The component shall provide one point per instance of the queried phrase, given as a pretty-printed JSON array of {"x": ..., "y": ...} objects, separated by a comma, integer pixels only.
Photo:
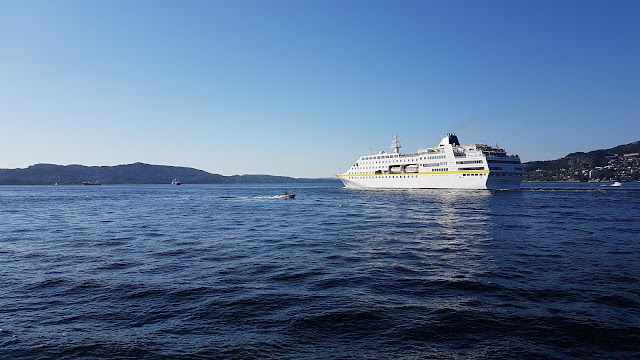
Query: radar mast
[{"x": 395, "y": 144}]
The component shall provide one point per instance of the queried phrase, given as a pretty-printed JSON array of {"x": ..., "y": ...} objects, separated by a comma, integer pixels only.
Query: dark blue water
[{"x": 207, "y": 271}]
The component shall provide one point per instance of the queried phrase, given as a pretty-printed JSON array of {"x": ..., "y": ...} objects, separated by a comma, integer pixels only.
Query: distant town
[{"x": 621, "y": 163}]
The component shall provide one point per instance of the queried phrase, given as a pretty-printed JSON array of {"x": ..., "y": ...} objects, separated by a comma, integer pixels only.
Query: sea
[{"x": 551, "y": 271}]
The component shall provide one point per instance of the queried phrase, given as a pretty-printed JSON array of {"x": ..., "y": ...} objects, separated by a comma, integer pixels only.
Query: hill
[
  {"x": 619, "y": 163},
  {"x": 138, "y": 173}
]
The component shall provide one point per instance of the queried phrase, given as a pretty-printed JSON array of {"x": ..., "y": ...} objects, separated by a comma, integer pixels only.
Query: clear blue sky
[{"x": 302, "y": 88}]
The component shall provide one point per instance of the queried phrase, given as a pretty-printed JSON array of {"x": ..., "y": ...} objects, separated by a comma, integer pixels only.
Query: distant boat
[
  {"x": 91, "y": 183},
  {"x": 617, "y": 183},
  {"x": 175, "y": 182},
  {"x": 287, "y": 195}
]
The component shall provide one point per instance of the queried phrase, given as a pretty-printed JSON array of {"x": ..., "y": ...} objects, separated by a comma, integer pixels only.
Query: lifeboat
[{"x": 411, "y": 168}]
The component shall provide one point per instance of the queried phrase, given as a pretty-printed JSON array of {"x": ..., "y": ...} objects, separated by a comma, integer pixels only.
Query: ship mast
[{"x": 395, "y": 144}]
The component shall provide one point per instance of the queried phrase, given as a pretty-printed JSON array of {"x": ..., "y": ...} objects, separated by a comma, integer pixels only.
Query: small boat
[
  {"x": 617, "y": 183},
  {"x": 91, "y": 183},
  {"x": 287, "y": 195},
  {"x": 175, "y": 182}
]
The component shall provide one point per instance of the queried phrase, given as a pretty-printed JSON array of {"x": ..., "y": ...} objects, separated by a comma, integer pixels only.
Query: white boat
[
  {"x": 448, "y": 165},
  {"x": 617, "y": 183},
  {"x": 175, "y": 182},
  {"x": 287, "y": 195},
  {"x": 413, "y": 168}
]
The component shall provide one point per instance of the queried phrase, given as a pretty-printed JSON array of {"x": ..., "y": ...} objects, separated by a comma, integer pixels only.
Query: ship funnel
[{"x": 450, "y": 139}]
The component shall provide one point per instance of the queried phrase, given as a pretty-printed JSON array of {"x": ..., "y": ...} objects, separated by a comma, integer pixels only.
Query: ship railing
[
  {"x": 422, "y": 154},
  {"x": 494, "y": 154},
  {"x": 499, "y": 154}
]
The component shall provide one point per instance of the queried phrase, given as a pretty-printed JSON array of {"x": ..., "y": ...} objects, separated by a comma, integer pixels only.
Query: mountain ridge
[
  {"x": 621, "y": 162},
  {"x": 136, "y": 173}
]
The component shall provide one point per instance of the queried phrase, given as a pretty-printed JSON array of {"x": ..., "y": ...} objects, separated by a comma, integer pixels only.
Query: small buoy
[{"x": 340, "y": 204}]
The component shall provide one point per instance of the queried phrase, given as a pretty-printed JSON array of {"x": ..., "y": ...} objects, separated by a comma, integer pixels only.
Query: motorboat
[{"x": 287, "y": 195}]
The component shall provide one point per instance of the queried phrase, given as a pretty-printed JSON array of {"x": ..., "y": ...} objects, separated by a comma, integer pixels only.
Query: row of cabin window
[
  {"x": 504, "y": 161},
  {"x": 492, "y": 174},
  {"x": 433, "y": 157},
  {"x": 385, "y": 176},
  {"x": 415, "y": 176},
  {"x": 447, "y": 169},
  {"x": 428, "y": 165},
  {"x": 472, "y": 168},
  {"x": 469, "y": 162},
  {"x": 518, "y": 168},
  {"x": 423, "y": 165},
  {"x": 379, "y": 157}
]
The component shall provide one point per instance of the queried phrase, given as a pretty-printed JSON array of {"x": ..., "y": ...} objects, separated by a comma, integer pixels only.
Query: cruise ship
[{"x": 448, "y": 165}]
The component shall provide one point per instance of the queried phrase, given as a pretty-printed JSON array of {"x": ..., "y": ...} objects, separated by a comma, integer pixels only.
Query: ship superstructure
[{"x": 448, "y": 165}]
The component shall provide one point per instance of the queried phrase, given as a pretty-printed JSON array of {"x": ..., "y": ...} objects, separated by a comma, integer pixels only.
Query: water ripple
[{"x": 230, "y": 272}]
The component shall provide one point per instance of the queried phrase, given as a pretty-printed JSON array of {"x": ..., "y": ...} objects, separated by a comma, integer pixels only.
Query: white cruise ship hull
[
  {"x": 446, "y": 166},
  {"x": 432, "y": 181}
]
